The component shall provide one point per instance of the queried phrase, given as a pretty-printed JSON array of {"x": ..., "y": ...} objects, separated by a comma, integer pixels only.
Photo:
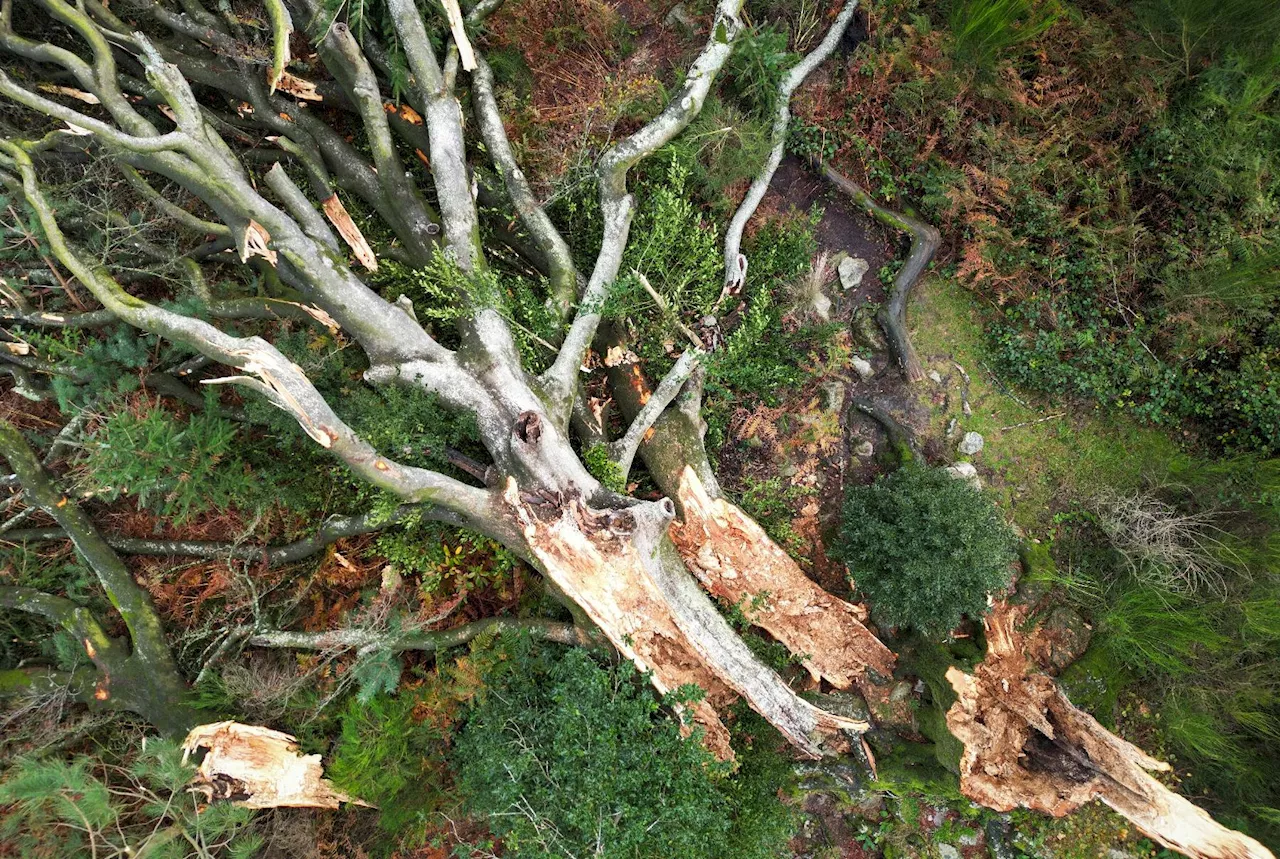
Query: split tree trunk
[{"x": 1026, "y": 745}]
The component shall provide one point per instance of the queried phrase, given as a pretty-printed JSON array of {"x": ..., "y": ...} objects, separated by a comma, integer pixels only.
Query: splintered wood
[
  {"x": 632, "y": 585},
  {"x": 1026, "y": 745},
  {"x": 257, "y": 767},
  {"x": 338, "y": 216},
  {"x": 737, "y": 562}
]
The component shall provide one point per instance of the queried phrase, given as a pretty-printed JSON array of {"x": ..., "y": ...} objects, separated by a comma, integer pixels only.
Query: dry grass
[{"x": 1163, "y": 546}]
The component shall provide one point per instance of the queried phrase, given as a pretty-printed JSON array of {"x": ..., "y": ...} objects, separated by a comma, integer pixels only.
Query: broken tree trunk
[
  {"x": 619, "y": 567},
  {"x": 737, "y": 562},
  {"x": 1026, "y": 745}
]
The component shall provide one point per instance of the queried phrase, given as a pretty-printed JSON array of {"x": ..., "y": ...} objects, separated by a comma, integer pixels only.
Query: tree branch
[
  {"x": 563, "y": 273},
  {"x": 369, "y": 640},
  {"x": 559, "y": 382},
  {"x": 75, "y": 619},
  {"x": 274, "y": 376},
  {"x": 735, "y": 263},
  {"x": 131, "y": 601},
  {"x": 335, "y": 528},
  {"x": 925, "y": 240},
  {"x": 623, "y": 451}
]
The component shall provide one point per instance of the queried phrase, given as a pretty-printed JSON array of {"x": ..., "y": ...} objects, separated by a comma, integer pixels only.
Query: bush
[
  {"x": 564, "y": 757},
  {"x": 924, "y": 548}
]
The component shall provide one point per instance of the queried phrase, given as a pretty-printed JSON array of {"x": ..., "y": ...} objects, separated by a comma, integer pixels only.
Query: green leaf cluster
[{"x": 924, "y": 548}]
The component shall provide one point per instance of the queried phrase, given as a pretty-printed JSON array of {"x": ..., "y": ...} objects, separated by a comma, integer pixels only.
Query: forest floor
[{"x": 1039, "y": 459}]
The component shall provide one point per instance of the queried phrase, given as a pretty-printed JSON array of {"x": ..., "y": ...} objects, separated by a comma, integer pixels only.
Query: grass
[{"x": 1041, "y": 452}]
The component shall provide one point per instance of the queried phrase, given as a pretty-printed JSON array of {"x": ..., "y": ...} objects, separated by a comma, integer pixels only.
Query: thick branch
[
  {"x": 76, "y": 619},
  {"x": 735, "y": 264},
  {"x": 925, "y": 240},
  {"x": 560, "y": 382},
  {"x": 335, "y": 528},
  {"x": 369, "y": 640},
  {"x": 131, "y": 601}
]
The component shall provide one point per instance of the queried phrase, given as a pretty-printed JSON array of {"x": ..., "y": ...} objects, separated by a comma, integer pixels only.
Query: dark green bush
[
  {"x": 565, "y": 757},
  {"x": 924, "y": 548}
]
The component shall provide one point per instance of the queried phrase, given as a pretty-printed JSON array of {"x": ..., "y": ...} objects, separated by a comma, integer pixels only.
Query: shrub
[
  {"x": 924, "y": 548},
  {"x": 565, "y": 757},
  {"x": 177, "y": 468}
]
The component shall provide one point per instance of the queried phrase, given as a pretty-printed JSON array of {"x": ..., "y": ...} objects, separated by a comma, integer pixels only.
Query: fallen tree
[{"x": 190, "y": 98}]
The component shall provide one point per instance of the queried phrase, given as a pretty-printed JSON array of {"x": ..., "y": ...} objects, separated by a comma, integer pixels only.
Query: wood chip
[
  {"x": 337, "y": 215},
  {"x": 256, "y": 767}
]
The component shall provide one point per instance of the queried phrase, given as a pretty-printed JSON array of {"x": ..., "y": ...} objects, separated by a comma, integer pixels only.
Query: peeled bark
[
  {"x": 737, "y": 562},
  {"x": 619, "y": 568},
  {"x": 1026, "y": 745}
]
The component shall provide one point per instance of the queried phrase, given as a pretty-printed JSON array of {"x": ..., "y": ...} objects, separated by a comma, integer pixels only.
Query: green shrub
[
  {"x": 176, "y": 467},
  {"x": 565, "y": 757},
  {"x": 924, "y": 548}
]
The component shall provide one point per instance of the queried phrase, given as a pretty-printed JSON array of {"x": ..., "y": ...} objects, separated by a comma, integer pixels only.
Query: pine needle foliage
[
  {"x": 566, "y": 757},
  {"x": 988, "y": 30},
  {"x": 924, "y": 548},
  {"x": 177, "y": 468},
  {"x": 55, "y": 807}
]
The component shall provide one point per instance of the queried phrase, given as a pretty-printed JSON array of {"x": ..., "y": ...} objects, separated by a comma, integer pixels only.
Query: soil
[{"x": 831, "y": 464}]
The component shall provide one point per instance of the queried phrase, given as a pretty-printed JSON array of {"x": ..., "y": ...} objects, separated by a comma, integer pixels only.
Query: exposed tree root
[
  {"x": 737, "y": 562},
  {"x": 924, "y": 244},
  {"x": 1026, "y": 745}
]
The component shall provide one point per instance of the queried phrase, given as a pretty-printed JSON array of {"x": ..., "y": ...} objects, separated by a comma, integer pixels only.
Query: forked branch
[
  {"x": 560, "y": 382},
  {"x": 735, "y": 263}
]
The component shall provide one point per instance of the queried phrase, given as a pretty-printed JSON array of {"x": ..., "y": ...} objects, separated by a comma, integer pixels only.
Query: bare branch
[
  {"x": 300, "y": 207},
  {"x": 369, "y": 640},
  {"x": 335, "y": 528},
  {"x": 560, "y": 380},
  {"x": 128, "y": 598},
  {"x": 76, "y": 619},
  {"x": 564, "y": 274},
  {"x": 735, "y": 264},
  {"x": 623, "y": 451}
]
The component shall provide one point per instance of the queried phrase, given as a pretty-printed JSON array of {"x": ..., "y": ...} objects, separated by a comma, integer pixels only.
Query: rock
[
  {"x": 948, "y": 851},
  {"x": 1068, "y": 638},
  {"x": 851, "y": 271},
  {"x": 866, "y": 330},
  {"x": 952, "y": 425},
  {"x": 863, "y": 368},
  {"x": 965, "y": 471},
  {"x": 680, "y": 15},
  {"x": 835, "y": 394},
  {"x": 864, "y": 449},
  {"x": 935, "y": 376},
  {"x": 971, "y": 443}
]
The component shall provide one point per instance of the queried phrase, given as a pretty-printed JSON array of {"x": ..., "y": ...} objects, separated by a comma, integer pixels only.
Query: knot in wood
[{"x": 528, "y": 427}]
